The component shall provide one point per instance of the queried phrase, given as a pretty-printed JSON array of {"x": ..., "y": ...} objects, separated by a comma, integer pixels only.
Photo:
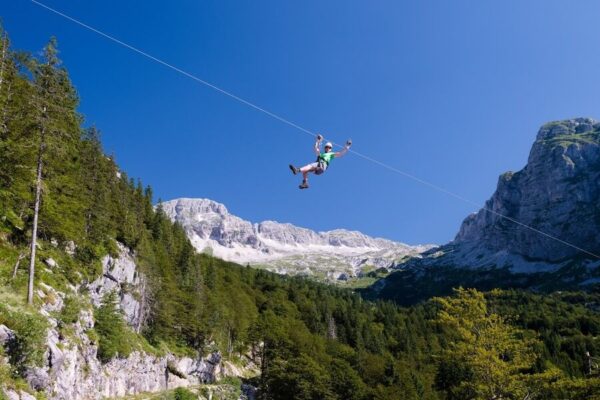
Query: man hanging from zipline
[{"x": 323, "y": 160}]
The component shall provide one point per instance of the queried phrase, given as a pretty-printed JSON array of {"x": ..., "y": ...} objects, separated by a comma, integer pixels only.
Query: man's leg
[{"x": 305, "y": 171}]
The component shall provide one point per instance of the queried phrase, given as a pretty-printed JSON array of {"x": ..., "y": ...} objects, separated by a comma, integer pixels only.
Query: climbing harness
[{"x": 321, "y": 166}]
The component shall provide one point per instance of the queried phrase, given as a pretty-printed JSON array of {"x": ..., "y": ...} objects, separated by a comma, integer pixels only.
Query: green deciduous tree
[{"x": 486, "y": 357}]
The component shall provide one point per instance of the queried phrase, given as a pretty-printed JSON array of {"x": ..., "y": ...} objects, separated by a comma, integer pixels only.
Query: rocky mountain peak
[
  {"x": 188, "y": 206},
  {"x": 556, "y": 193},
  {"x": 573, "y": 126}
]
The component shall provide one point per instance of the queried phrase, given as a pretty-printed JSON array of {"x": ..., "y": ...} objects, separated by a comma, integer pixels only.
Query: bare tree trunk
[
  {"x": 21, "y": 256},
  {"x": 331, "y": 329},
  {"x": 4, "y": 126},
  {"x": 2, "y": 67},
  {"x": 144, "y": 311},
  {"x": 229, "y": 341},
  {"x": 36, "y": 212},
  {"x": 4, "y": 45}
]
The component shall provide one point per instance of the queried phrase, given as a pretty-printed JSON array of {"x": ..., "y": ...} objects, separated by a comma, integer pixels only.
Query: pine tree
[
  {"x": 15, "y": 152},
  {"x": 55, "y": 101},
  {"x": 96, "y": 173},
  {"x": 4, "y": 54}
]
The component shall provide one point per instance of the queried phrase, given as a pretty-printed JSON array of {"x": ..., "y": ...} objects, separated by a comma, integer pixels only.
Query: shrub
[
  {"x": 28, "y": 347},
  {"x": 70, "y": 312},
  {"x": 184, "y": 394}
]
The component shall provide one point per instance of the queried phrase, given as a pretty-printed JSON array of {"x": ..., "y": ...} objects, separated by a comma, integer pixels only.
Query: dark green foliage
[
  {"x": 28, "y": 347},
  {"x": 303, "y": 376},
  {"x": 568, "y": 324},
  {"x": 114, "y": 336},
  {"x": 70, "y": 311},
  {"x": 413, "y": 285},
  {"x": 84, "y": 199}
]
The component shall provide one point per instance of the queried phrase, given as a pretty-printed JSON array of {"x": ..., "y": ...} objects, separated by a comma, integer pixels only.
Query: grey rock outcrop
[
  {"x": 517, "y": 239},
  {"x": 6, "y": 335},
  {"x": 248, "y": 392},
  {"x": 120, "y": 275},
  {"x": 523, "y": 227},
  {"x": 72, "y": 369},
  {"x": 76, "y": 373},
  {"x": 557, "y": 193},
  {"x": 20, "y": 395}
]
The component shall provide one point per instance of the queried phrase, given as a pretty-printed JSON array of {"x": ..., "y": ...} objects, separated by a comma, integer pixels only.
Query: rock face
[
  {"x": 282, "y": 248},
  {"x": 20, "y": 395},
  {"x": 120, "y": 275},
  {"x": 72, "y": 370},
  {"x": 6, "y": 335},
  {"x": 557, "y": 193}
]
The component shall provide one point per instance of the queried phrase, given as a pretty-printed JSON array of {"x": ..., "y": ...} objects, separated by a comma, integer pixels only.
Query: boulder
[
  {"x": 37, "y": 378},
  {"x": 6, "y": 335},
  {"x": 51, "y": 262},
  {"x": 20, "y": 395},
  {"x": 70, "y": 247}
]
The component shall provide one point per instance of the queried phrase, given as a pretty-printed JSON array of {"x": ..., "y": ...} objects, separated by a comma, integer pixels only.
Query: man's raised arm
[
  {"x": 318, "y": 145},
  {"x": 344, "y": 150}
]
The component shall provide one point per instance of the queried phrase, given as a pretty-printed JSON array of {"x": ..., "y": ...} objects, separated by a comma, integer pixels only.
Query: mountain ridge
[
  {"x": 555, "y": 193},
  {"x": 283, "y": 247}
]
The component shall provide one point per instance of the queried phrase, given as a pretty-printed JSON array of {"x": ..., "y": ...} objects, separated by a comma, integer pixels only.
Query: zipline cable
[
  {"x": 307, "y": 131},
  {"x": 176, "y": 69}
]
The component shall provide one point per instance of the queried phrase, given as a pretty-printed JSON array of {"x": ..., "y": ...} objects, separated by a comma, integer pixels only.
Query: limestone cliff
[
  {"x": 558, "y": 193},
  {"x": 71, "y": 368},
  {"x": 517, "y": 239}
]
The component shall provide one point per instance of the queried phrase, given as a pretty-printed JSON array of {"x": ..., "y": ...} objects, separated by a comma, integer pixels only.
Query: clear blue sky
[{"x": 450, "y": 91}]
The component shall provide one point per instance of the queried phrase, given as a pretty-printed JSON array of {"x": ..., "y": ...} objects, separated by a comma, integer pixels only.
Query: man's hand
[
  {"x": 319, "y": 138},
  {"x": 348, "y": 143}
]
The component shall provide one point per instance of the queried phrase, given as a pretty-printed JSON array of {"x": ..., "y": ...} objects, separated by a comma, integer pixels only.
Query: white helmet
[{"x": 329, "y": 144}]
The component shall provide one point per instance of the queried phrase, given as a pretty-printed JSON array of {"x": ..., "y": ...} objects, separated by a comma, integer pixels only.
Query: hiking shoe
[
  {"x": 304, "y": 185},
  {"x": 294, "y": 169}
]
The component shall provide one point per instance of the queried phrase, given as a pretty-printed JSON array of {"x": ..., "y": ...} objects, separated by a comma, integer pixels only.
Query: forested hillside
[{"x": 309, "y": 340}]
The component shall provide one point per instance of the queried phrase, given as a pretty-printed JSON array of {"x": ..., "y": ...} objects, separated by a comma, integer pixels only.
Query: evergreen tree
[
  {"x": 97, "y": 173},
  {"x": 111, "y": 329},
  {"x": 52, "y": 95}
]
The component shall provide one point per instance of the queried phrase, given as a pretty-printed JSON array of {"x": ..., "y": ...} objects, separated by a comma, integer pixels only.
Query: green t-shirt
[{"x": 327, "y": 157}]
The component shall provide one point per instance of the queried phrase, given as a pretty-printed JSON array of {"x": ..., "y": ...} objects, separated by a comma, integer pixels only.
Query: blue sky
[{"x": 450, "y": 91}]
